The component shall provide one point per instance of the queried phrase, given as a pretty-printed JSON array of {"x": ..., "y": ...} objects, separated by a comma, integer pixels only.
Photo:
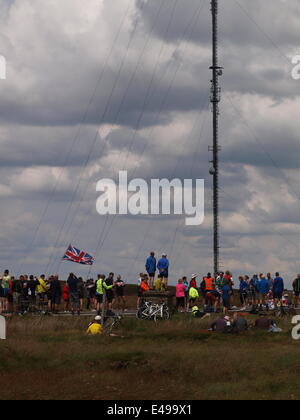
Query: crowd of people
[
  {"x": 258, "y": 293},
  {"x": 215, "y": 292},
  {"x": 30, "y": 293}
]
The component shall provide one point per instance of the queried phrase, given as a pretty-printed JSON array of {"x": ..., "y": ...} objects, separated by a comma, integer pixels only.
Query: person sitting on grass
[
  {"x": 95, "y": 328},
  {"x": 198, "y": 314},
  {"x": 222, "y": 325},
  {"x": 239, "y": 323},
  {"x": 266, "y": 324}
]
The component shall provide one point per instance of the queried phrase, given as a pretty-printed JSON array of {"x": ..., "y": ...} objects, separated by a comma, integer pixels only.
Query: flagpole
[{"x": 103, "y": 308}]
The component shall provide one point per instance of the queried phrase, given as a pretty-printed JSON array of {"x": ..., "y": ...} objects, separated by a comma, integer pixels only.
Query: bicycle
[
  {"x": 112, "y": 322},
  {"x": 153, "y": 311}
]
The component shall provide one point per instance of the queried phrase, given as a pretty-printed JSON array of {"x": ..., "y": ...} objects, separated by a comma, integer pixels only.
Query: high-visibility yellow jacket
[
  {"x": 193, "y": 293},
  {"x": 42, "y": 287},
  {"x": 101, "y": 285}
]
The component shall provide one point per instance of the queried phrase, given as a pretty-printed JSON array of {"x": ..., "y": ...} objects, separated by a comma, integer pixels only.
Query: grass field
[{"x": 52, "y": 358}]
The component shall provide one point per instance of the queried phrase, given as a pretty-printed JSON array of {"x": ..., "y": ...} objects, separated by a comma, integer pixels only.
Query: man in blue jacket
[
  {"x": 278, "y": 288},
  {"x": 151, "y": 268},
  {"x": 263, "y": 290},
  {"x": 163, "y": 267}
]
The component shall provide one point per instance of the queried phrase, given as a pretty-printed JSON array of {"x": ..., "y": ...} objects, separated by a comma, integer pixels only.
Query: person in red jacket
[
  {"x": 66, "y": 297},
  {"x": 193, "y": 282}
]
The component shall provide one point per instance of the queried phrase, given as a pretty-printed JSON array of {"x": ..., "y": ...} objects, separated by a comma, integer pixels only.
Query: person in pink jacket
[{"x": 180, "y": 295}]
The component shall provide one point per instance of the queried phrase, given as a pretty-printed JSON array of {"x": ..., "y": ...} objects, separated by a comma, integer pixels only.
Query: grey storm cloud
[{"x": 102, "y": 86}]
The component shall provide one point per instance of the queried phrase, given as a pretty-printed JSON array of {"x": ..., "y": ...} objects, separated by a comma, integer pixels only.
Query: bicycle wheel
[{"x": 166, "y": 314}]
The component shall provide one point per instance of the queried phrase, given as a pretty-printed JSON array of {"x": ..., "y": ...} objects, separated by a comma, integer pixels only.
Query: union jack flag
[{"x": 80, "y": 257}]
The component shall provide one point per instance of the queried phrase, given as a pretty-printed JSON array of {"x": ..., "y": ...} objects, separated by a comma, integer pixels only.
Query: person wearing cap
[
  {"x": 163, "y": 267},
  {"x": 193, "y": 282},
  {"x": 95, "y": 328}
]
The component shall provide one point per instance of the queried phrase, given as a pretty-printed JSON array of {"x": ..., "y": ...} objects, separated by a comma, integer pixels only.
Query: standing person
[
  {"x": 81, "y": 292},
  {"x": 186, "y": 293},
  {"x": 209, "y": 283},
  {"x": 139, "y": 291},
  {"x": 151, "y": 268},
  {"x": 6, "y": 279},
  {"x": 101, "y": 287},
  {"x": 193, "y": 296},
  {"x": 110, "y": 296},
  {"x": 120, "y": 293},
  {"x": 91, "y": 294},
  {"x": 263, "y": 290},
  {"x": 74, "y": 296},
  {"x": 55, "y": 288},
  {"x": 2, "y": 297},
  {"x": 244, "y": 288},
  {"x": 24, "y": 294},
  {"x": 32, "y": 285},
  {"x": 163, "y": 267},
  {"x": 247, "y": 280},
  {"x": 254, "y": 289},
  {"x": 296, "y": 288},
  {"x": 10, "y": 296},
  {"x": 219, "y": 282},
  {"x": 66, "y": 297},
  {"x": 270, "y": 281},
  {"x": 193, "y": 282},
  {"x": 100, "y": 292},
  {"x": 180, "y": 296},
  {"x": 226, "y": 294},
  {"x": 278, "y": 289},
  {"x": 42, "y": 289}
]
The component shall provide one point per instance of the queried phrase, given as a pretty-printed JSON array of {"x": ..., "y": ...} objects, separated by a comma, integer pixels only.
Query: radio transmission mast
[{"x": 217, "y": 71}]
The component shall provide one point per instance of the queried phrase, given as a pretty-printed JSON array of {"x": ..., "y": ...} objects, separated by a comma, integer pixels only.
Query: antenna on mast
[{"x": 217, "y": 71}]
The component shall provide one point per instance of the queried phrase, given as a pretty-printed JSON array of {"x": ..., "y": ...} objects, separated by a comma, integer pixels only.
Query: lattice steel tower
[{"x": 217, "y": 71}]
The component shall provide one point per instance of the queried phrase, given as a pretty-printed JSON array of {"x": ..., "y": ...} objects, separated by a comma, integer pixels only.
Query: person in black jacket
[
  {"x": 32, "y": 285},
  {"x": 55, "y": 290},
  {"x": 74, "y": 295}
]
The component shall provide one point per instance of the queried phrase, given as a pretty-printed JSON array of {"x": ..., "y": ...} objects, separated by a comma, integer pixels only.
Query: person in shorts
[
  {"x": 278, "y": 289},
  {"x": 180, "y": 296},
  {"x": 110, "y": 295},
  {"x": 66, "y": 297},
  {"x": 151, "y": 268},
  {"x": 296, "y": 289},
  {"x": 226, "y": 294},
  {"x": 163, "y": 267},
  {"x": 120, "y": 293}
]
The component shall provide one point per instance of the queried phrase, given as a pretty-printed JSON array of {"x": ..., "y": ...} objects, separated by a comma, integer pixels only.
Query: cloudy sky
[{"x": 99, "y": 86}]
